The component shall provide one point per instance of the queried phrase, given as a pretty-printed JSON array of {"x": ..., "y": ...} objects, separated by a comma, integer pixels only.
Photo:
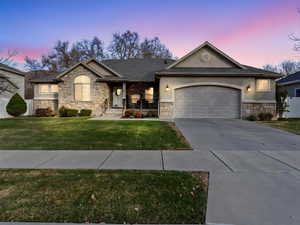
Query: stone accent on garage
[
  {"x": 45, "y": 103},
  {"x": 166, "y": 110},
  {"x": 256, "y": 108},
  {"x": 99, "y": 92}
]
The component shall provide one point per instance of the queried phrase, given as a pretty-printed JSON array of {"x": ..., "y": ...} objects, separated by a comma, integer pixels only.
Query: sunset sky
[{"x": 254, "y": 32}]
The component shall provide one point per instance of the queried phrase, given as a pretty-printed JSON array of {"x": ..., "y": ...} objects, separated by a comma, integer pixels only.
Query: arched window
[{"x": 82, "y": 88}]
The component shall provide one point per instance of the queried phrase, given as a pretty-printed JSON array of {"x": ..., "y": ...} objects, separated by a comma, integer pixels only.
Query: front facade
[
  {"x": 11, "y": 82},
  {"x": 291, "y": 84},
  {"x": 206, "y": 83}
]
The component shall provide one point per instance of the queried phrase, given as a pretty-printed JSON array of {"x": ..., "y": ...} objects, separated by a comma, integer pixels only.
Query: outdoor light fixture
[
  {"x": 167, "y": 88},
  {"x": 248, "y": 88}
]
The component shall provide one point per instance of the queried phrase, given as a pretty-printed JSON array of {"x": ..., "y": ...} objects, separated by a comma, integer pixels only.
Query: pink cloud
[
  {"x": 268, "y": 21},
  {"x": 22, "y": 52}
]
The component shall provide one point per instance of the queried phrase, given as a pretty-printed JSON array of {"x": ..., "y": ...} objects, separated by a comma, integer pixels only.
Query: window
[
  {"x": 263, "y": 85},
  {"x": 135, "y": 98},
  {"x": 297, "y": 92},
  {"x": 82, "y": 88},
  {"x": 149, "y": 95},
  {"x": 48, "y": 88}
]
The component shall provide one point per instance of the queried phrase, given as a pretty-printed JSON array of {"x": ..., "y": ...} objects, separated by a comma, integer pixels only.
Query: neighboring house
[
  {"x": 206, "y": 83},
  {"x": 291, "y": 84},
  {"x": 11, "y": 82}
]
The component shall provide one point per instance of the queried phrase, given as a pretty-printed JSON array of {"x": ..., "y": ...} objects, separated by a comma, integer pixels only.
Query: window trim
[
  {"x": 269, "y": 88},
  {"x": 90, "y": 89},
  {"x": 296, "y": 89},
  {"x": 49, "y": 89}
]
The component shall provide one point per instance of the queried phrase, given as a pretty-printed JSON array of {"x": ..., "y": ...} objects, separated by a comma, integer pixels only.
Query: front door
[{"x": 117, "y": 97}]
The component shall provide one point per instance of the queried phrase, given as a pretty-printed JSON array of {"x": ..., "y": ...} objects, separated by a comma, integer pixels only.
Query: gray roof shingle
[
  {"x": 138, "y": 69},
  {"x": 295, "y": 78}
]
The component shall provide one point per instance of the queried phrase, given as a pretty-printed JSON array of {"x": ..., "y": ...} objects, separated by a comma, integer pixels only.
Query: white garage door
[{"x": 207, "y": 102}]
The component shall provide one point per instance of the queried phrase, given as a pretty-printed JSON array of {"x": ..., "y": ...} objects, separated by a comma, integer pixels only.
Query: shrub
[
  {"x": 44, "y": 112},
  {"x": 72, "y": 112},
  {"x": 66, "y": 112},
  {"x": 130, "y": 113},
  {"x": 251, "y": 118},
  {"x": 85, "y": 112},
  {"x": 138, "y": 115},
  {"x": 265, "y": 116},
  {"x": 151, "y": 114},
  {"x": 16, "y": 106},
  {"x": 62, "y": 111}
]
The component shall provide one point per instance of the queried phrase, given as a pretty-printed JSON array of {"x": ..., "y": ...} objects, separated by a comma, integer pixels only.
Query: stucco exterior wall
[
  {"x": 99, "y": 92},
  {"x": 18, "y": 80},
  {"x": 205, "y": 57},
  {"x": 167, "y": 98}
]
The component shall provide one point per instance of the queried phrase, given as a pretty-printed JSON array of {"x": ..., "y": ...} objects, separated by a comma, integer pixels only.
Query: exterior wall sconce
[
  {"x": 168, "y": 88},
  {"x": 248, "y": 88}
]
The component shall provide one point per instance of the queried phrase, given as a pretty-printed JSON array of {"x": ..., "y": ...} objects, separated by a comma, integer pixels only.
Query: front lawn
[
  {"x": 91, "y": 196},
  {"x": 292, "y": 125},
  {"x": 82, "y": 134}
]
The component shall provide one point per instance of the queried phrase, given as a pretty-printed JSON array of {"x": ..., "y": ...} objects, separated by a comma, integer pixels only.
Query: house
[
  {"x": 291, "y": 84},
  {"x": 205, "y": 83},
  {"x": 11, "y": 82}
]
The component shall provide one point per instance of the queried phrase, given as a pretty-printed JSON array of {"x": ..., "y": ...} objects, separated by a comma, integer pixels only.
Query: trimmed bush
[
  {"x": 85, "y": 112},
  {"x": 62, "y": 111},
  {"x": 130, "y": 113},
  {"x": 44, "y": 112},
  {"x": 151, "y": 114},
  {"x": 265, "y": 116},
  {"x": 138, "y": 115},
  {"x": 16, "y": 106},
  {"x": 251, "y": 118},
  {"x": 72, "y": 112},
  {"x": 66, "y": 112}
]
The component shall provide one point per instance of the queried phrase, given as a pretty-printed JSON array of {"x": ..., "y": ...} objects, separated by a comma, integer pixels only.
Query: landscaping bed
[
  {"x": 291, "y": 125},
  {"x": 93, "y": 196},
  {"x": 82, "y": 134}
]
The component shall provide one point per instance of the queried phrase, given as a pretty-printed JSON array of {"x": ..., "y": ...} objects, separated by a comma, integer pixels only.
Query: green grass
[
  {"x": 82, "y": 134},
  {"x": 90, "y": 196},
  {"x": 291, "y": 125}
]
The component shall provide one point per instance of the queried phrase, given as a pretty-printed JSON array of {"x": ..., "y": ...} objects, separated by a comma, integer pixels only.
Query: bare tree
[
  {"x": 154, "y": 48},
  {"x": 65, "y": 55},
  {"x": 296, "y": 39},
  {"x": 8, "y": 59},
  {"x": 124, "y": 46},
  {"x": 286, "y": 67},
  {"x": 5, "y": 85},
  {"x": 32, "y": 64},
  {"x": 271, "y": 68}
]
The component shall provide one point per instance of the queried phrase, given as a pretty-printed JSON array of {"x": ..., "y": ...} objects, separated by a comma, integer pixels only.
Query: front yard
[
  {"x": 91, "y": 196},
  {"x": 82, "y": 134},
  {"x": 292, "y": 125}
]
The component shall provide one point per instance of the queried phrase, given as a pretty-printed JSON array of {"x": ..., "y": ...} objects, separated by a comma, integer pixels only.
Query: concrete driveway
[{"x": 236, "y": 135}]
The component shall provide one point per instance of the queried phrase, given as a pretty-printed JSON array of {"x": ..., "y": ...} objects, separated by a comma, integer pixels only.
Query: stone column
[{"x": 124, "y": 96}]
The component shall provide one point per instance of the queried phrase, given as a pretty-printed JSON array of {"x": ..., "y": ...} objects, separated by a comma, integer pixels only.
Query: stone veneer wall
[
  {"x": 45, "y": 103},
  {"x": 166, "y": 109},
  {"x": 256, "y": 108},
  {"x": 99, "y": 92}
]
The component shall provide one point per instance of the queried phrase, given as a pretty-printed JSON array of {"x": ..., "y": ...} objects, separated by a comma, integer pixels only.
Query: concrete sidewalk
[{"x": 246, "y": 187}]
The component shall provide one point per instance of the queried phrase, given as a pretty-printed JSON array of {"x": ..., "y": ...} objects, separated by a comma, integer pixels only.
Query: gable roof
[
  {"x": 75, "y": 66},
  {"x": 215, "y": 49},
  {"x": 142, "y": 70},
  {"x": 11, "y": 69},
  {"x": 290, "y": 79},
  {"x": 104, "y": 66}
]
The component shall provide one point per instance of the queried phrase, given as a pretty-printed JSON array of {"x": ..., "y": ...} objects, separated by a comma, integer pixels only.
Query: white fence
[
  {"x": 3, "y": 103},
  {"x": 293, "y": 108}
]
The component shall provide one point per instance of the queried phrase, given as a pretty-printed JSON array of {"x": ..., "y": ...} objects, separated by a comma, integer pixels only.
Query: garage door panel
[{"x": 207, "y": 102}]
